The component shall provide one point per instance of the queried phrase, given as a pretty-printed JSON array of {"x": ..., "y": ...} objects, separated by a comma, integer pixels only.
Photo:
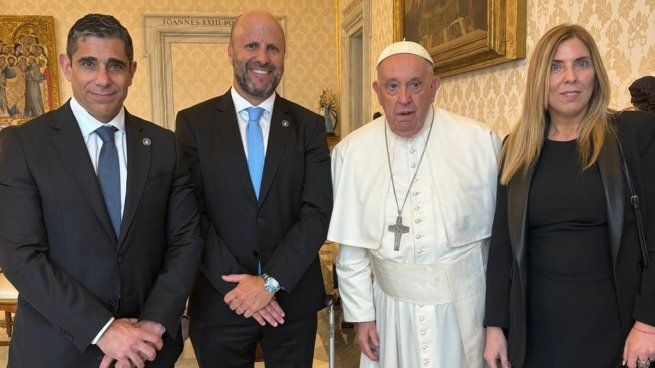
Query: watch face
[{"x": 271, "y": 285}]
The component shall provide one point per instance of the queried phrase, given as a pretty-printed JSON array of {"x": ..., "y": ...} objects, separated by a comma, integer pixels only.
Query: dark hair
[
  {"x": 101, "y": 26},
  {"x": 642, "y": 92}
]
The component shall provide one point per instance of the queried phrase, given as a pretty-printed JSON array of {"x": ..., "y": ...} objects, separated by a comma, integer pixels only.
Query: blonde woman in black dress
[{"x": 568, "y": 283}]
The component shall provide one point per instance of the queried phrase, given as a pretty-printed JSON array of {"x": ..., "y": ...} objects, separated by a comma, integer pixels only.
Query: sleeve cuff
[{"x": 102, "y": 331}]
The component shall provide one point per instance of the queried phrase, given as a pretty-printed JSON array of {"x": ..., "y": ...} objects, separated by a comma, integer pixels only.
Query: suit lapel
[
  {"x": 70, "y": 146},
  {"x": 609, "y": 165},
  {"x": 517, "y": 206},
  {"x": 281, "y": 126},
  {"x": 138, "y": 166},
  {"x": 227, "y": 129}
]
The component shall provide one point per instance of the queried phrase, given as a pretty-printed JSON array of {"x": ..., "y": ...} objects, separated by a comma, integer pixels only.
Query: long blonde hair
[{"x": 524, "y": 144}]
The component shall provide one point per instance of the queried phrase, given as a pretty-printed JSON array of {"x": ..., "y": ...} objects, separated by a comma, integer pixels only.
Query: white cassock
[{"x": 427, "y": 298}]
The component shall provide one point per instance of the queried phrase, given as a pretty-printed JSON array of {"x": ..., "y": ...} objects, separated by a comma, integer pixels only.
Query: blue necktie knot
[
  {"x": 255, "y": 144},
  {"x": 255, "y": 113},
  {"x": 106, "y": 133}
]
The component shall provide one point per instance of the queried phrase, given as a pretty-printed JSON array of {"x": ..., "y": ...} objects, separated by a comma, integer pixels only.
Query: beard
[{"x": 241, "y": 75}]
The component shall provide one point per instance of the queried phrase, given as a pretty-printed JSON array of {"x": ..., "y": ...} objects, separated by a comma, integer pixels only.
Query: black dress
[{"x": 572, "y": 308}]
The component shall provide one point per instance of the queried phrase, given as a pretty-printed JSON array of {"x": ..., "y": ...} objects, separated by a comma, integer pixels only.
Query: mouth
[
  {"x": 405, "y": 113},
  {"x": 261, "y": 71},
  {"x": 102, "y": 95},
  {"x": 570, "y": 94}
]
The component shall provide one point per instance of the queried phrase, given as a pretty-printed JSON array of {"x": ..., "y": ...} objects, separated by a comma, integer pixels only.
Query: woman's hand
[
  {"x": 639, "y": 346},
  {"x": 495, "y": 349}
]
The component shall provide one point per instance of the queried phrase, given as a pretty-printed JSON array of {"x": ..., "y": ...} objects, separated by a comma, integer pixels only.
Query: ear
[
  {"x": 376, "y": 88},
  {"x": 436, "y": 83},
  {"x": 230, "y": 53},
  {"x": 132, "y": 71},
  {"x": 66, "y": 66}
]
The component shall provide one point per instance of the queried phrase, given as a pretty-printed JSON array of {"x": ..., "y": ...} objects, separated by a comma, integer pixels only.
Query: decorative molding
[
  {"x": 355, "y": 18},
  {"x": 161, "y": 30}
]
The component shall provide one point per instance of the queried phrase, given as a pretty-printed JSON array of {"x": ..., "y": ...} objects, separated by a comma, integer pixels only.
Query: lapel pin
[
  {"x": 285, "y": 123},
  {"x": 147, "y": 141}
]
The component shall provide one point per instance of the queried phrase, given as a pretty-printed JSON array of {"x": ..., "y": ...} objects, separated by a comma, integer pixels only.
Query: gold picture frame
[
  {"x": 463, "y": 35},
  {"x": 29, "y": 72}
]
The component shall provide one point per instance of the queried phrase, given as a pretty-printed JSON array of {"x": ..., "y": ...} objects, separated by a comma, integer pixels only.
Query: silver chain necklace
[{"x": 398, "y": 228}]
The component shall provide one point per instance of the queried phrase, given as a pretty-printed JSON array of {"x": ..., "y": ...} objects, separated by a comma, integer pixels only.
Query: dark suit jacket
[
  {"x": 58, "y": 248},
  {"x": 284, "y": 229},
  {"x": 635, "y": 285}
]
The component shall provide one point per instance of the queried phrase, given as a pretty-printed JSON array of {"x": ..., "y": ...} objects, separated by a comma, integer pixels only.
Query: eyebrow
[
  {"x": 578, "y": 59},
  {"x": 86, "y": 59},
  {"x": 95, "y": 59}
]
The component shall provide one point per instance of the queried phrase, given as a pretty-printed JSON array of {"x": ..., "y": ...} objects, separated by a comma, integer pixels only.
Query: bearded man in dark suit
[{"x": 261, "y": 169}]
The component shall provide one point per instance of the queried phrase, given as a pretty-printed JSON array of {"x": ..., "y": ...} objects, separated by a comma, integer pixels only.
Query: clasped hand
[
  {"x": 130, "y": 342},
  {"x": 639, "y": 350},
  {"x": 250, "y": 299}
]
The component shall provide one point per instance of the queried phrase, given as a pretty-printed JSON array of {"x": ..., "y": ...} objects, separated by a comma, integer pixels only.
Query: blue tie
[
  {"x": 109, "y": 175},
  {"x": 255, "y": 142}
]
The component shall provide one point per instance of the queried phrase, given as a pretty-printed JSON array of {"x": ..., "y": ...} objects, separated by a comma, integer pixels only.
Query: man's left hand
[
  {"x": 249, "y": 296},
  {"x": 640, "y": 345},
  {"x": 151, "y": 326}
]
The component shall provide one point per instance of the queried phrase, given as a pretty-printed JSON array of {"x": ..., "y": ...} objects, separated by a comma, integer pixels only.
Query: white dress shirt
[
  {"x": 88, "y": 125},
  {"x": 241, "y": 105}
]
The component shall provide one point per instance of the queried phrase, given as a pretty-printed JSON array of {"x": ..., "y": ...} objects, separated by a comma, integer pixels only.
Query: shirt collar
[
  {"x": 88, "y": 124},
  {"x": 241, "y": 103}
]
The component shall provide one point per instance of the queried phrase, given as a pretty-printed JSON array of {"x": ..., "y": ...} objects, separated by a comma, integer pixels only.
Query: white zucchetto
[{"x": 404, "y": 47}]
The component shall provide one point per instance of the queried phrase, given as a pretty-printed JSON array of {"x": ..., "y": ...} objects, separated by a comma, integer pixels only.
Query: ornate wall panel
[
  {"x": 623, "y": 29},
  {"x": 311, "y": 61}
]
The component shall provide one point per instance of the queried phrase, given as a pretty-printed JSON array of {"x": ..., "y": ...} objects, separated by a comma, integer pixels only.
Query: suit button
[
  {"x": 121, "y": 258},
  {"x": 260, "y": 220},
  {"x": 255, "y": 254}
]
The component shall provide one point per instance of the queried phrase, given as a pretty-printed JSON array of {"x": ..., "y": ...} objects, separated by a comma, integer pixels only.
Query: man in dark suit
[
  {"x": 261, "y": 169},
  {"x": 98, "y": 220}
]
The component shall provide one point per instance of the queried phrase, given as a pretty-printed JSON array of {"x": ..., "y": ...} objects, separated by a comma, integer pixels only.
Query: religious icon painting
[{"x": 29, "y": 83}]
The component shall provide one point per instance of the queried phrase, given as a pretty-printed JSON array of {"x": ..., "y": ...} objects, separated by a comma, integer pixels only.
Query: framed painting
[
  {"x": 463, "y": 35},
  {"x": 29, "y": 82}
]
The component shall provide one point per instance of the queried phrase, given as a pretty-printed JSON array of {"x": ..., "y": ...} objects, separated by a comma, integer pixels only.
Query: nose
[
  {"x": 262, "y": 56},
  {"x": 570, "y": 75},
  {"x": 404, "y": 96},
  {"x": 102, "y": 77}
]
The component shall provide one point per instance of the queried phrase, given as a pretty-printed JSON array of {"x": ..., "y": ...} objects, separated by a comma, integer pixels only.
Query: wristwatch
[{"x": 270, "y": 284}]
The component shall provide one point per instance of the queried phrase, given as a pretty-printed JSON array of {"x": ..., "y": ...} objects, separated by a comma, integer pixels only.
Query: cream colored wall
[
  {"x": 310, "y": 66},
  {"x": 623, "y": 29}
]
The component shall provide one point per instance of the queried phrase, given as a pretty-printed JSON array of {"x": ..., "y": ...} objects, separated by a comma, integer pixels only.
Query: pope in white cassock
[{"x": 414, "y": 197}]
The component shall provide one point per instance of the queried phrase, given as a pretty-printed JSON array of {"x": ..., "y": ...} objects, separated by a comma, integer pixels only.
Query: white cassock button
[
  {"x": 422, "y": 332},
  {"x": 420, "y": 304},
  {"x": 426, "y": 362},
  {"x": 424, "y": 347},
  {"x": 412, "y": 150},
  {"x": 418, "y": 236},
  {"x": 418, "y": 220},
  {"x": 417, "y": 207},
  {"x": 413, "y": 165},
  {"x": 420, "y": 251},
  {"x": 415, "y": 193},
  {"x": 421, "y": 318}
]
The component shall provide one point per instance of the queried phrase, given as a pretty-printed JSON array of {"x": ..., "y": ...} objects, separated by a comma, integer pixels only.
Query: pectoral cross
[{"x": 398, "y": 229}]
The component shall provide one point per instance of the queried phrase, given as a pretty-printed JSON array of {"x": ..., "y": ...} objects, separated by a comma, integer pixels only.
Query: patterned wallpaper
[
  {"x": 310, "y": 63},
  {"x": 623, "y": 29},
  {"x": 190, "y": 72}
]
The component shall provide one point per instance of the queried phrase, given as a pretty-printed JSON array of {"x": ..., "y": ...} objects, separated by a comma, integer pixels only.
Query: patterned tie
[
  {"x": 255, "y": 142},
  {"x": 109, "y": 175}
]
